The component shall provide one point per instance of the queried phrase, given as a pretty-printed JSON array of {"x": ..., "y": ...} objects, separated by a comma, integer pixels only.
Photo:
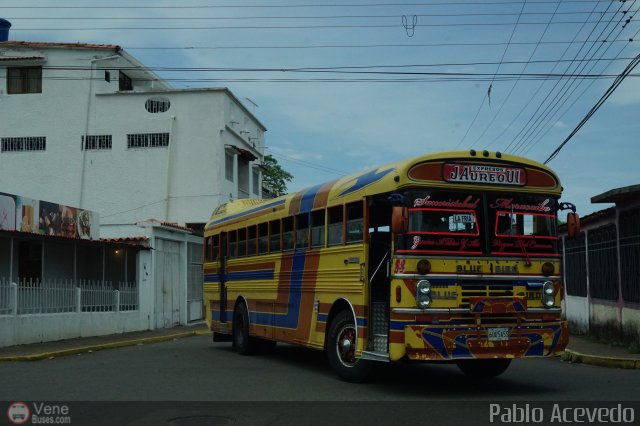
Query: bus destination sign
[{"x": 476, "y": 173}]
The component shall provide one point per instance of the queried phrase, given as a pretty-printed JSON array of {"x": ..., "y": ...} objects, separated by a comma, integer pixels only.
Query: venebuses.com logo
[{"x": 20, "y": 413}]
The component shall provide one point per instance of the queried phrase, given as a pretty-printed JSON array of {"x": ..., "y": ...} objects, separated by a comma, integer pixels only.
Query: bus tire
[
  {"x": 341, "y": 349},
  {"x": 243, "y": 343},
  {"x": 483, "y": 368}
]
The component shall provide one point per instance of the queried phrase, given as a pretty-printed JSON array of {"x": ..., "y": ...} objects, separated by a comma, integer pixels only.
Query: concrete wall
[{"x": 577, "y": 311}]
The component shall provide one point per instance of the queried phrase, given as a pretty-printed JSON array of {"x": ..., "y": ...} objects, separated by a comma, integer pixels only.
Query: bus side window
[
  {"x": 263, "y": 238},
  {"x": 251, "y": 241},
  {"x": 287, "y": 233},
  {"x": 355, "y": 222},
  {"x": 233, "y": 243},
  {"x": 302, "y": 230},
  {"x": 317, "y": 228},
  {"x": 242, "y": 242},
  {"x": 274, "y": 236},
  {"x": 336, "y": 236},
  {"x": 215, "y": 247}
]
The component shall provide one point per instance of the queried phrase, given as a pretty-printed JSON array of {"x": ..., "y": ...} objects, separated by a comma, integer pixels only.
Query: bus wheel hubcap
[{"x": 345, "y": 345}]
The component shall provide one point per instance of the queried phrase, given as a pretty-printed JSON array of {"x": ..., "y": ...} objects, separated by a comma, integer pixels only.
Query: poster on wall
[{"x": 23, "y": 214}]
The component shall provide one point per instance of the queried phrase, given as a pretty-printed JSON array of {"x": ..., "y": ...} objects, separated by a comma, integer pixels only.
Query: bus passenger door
[
  {"x": 378, "y": 257},
  {"x": 222, "y": 271}
]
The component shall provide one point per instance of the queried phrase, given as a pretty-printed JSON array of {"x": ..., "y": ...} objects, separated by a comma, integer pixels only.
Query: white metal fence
[{"x": 29, "y": 297}]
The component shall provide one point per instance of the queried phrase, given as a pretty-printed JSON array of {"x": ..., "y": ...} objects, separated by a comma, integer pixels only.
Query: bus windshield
[{"x": 500, "y": 224}]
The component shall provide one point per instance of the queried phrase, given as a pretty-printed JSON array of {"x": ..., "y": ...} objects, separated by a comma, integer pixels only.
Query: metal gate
[
  {"x": 194, "y": 282},
  {"x": 167, "y": 274}
]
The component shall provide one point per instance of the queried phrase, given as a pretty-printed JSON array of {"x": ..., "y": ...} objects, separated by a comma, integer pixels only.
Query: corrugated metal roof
[{"x": 68, "y": 45}]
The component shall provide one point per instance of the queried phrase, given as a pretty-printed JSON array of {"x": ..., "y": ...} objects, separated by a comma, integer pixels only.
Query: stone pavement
[{"x": 580, "y": 349}]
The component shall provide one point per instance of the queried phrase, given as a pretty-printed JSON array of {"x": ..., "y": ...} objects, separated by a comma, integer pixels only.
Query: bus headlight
[
  {"x": 423, "y": 294},
  {"x": 548, "y": 294}
]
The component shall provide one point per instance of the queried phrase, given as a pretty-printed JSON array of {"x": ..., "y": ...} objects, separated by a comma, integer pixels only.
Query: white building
[{"x": 89, "y": 126}]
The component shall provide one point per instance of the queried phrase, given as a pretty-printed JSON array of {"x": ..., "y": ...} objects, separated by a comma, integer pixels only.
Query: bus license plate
[{"x": 498, "y": 333}]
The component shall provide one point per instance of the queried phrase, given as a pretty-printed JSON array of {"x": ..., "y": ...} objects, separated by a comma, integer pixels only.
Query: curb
[
  {"x": 101, "y": 346},
  {"x": 600, "y": 361}
]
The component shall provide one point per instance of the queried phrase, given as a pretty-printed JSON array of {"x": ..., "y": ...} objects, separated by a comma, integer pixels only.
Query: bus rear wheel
[
  {"x": 341, "y": 349},
  {"x": 484, "y": 368},
  {"x": 243, "y": 343}
]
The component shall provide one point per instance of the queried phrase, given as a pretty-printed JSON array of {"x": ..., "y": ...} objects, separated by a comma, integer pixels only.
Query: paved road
[{"x": 195, "y": 369}]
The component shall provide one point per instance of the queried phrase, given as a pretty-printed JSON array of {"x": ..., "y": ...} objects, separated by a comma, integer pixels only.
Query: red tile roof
[
  {"x": 71, "y": 45},
  {"x": 127, "y": 240}
]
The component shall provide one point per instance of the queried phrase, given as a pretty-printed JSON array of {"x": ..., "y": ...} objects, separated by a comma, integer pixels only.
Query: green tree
[{"x": 274, "y": 177}]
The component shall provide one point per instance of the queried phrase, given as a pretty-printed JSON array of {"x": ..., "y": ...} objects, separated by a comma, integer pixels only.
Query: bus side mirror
[
  {"x": 573, "y": 225},
  {"x": 399, "y": 220}
]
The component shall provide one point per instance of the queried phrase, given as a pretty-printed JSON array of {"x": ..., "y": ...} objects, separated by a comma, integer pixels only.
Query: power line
[
  {"x": 597, "y": 106},
  {"x": 239, "y": 18},
  {"x": 308, "y": 164},
  {"x": 369, "y": 46},
  {"x": 566, "y": 91},
  {"x": 569, "y": 107},
  {"x": 504, "y": 52},
  {"x": 297, "y": 27},
  {"x": 548, "y": 99},
  {"x": 528, "y": 62},
  {"x": 298, "y": 6}
]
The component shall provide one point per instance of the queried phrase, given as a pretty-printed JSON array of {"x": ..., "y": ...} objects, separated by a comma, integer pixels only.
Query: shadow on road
[{"x": 431, "y": 380}]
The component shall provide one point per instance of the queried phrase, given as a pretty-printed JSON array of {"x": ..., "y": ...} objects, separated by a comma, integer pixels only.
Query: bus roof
[{"x": 462, "y": 169}]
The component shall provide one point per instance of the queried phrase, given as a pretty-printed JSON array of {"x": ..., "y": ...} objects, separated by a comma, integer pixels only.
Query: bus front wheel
[
  {"x": 341, "y": 349},
  {"x": 483, "y": 368}
]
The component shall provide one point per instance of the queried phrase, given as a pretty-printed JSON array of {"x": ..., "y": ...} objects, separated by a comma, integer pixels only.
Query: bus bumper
[{"x": 448, "y": 342}]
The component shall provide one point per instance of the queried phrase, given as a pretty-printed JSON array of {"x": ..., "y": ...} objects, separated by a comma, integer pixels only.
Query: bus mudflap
[{"x": 452, "y": 342}]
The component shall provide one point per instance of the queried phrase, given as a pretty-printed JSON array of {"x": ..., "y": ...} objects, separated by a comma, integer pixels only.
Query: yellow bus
[{"x": 449, "y": 257}]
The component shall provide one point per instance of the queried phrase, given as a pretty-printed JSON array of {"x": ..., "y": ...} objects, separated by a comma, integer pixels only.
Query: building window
[
  {"x": 24, "y": 80},
  {"x": 38, "y": 143},
  {"x": 228, "y": 166},
  {"x": 96, "y": 142},
  {"x": 107, "y": 76},
  {"x": 158, "y": 104},
  {"x": 148, "y": 140},
  {"x": 125, "y": 82},
  {"x": 256, "y": 182}
]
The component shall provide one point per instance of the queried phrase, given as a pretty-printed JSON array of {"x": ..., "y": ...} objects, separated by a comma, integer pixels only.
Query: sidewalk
[
  {"x": 580, "y": 349},
  {"x": 38, "y": 351},
  {"x": 585, "y": 350}
]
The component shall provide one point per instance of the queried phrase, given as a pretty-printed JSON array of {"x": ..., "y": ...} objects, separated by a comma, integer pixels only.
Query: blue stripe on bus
[
  {"x": 291, "y": 318},
  {"x": 263, "y": 274},
  {"x": 246, "y": 212},
  {"x": 306, "y": 203}
]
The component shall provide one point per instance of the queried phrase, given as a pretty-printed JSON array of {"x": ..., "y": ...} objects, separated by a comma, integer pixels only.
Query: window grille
[
  {"x": 630, "y": 255},
  {"x": 603, "y": 263},
  {"x": 38, "y": 143},
  {"x": 97, "y": 142},
  {"x": 157, "y": 105},
  {"x": 148, "y": 140},
  {"x": 576, "y": 266}
]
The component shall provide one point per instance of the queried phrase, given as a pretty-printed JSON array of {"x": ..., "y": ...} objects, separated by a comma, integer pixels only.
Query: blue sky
[{"x": 321, "y": 130}]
